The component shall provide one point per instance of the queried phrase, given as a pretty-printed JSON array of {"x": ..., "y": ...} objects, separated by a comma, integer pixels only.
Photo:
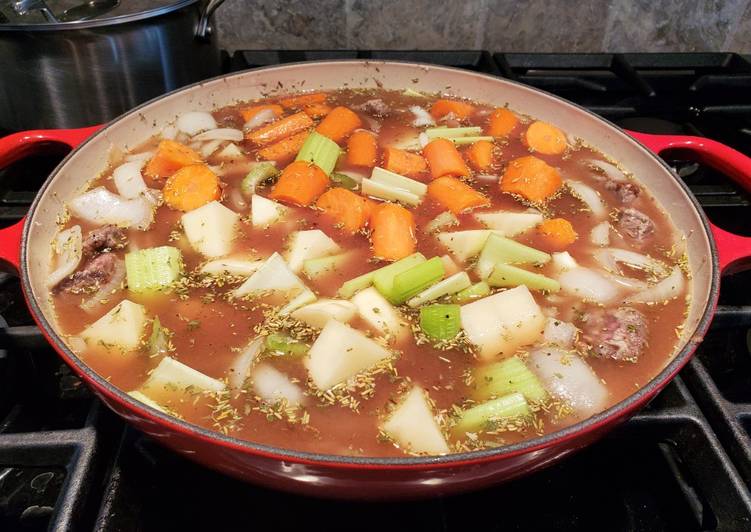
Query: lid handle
[{"x": 203, "y": 32}]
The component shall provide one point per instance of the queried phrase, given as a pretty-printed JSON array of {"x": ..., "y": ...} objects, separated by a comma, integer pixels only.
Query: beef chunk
[
  {"x": 619, "y": 334},
  {"x": 95, "y": 273},
  {"x": 635, "y": 224},
  {"x": 626, "y": 192},
  {"x": 105, "y": 238},
  {"x": 375, "y": 107}
]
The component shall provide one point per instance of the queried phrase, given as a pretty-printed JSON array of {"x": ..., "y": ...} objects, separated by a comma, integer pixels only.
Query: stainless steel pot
[{"x": 109, "y": 64}]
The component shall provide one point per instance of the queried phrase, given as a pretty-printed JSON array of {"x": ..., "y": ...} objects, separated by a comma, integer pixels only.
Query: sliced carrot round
[
  {"x": 501, "y": 122},
  {"x": 170, "y": 156},
  {"x": 339, "y": 124},
  {"x": 403, "y": 162},
  {"x": 362, "y": 149},
  {"x": 545, "y": 138},
  {"x": 249, "y": 112},
  {"x": 345, "y": 207},
  {"x": 531, "y": 178},
  {"x": 444, "y": 159},
  {"x": 480, "y": 155},
  {"x": 300, "y": 183},
  {"x": 393, "y": 235},
  {"x": 455, "y": 195},
  {"x": 443, "y": 107},
  {"x": 191, "y": 187},
  {"x": 558, "y": 233}
]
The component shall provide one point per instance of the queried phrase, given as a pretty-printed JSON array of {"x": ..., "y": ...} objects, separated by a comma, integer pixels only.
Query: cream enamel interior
[{"x": 137, "y": 126}]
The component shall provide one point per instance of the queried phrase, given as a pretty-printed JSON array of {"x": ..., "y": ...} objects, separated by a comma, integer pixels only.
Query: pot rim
[{"x": 587, "y": 425}]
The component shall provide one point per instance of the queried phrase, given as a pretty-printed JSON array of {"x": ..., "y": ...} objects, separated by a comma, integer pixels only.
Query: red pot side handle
[
  {"x": 20, "y": 145},
  {"x": 734, "y": 250}
]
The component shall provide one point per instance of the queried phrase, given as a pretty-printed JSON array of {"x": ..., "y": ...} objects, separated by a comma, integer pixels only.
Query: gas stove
[{"x": 683, "y": 463}]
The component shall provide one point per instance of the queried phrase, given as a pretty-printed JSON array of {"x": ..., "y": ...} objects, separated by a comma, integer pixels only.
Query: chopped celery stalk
[
  {"x": 383, "y": 278},
  {"x": 445, "y": 219},
  {"x": 508, "y": 276},
  {"x": 476, "y": 291},
  {"x": 508, "y": 376},
  {"x": 258, "y": 174},
  {"x": 413, "y": 281},
  {"x": 159, "y": 339},
  {"x": 452, "y": 132},
  {"x": 281, "y": 344},
  {"x": 386, "y": 177},
  {"x": 344, "y": 181},
  {"x": 321, "y": 151},
  {"x": 413, "y": 93},
  {"x": 450, "y": 285},
  {"x": 500, "y": 249},
  {"x": 486, "y": 416},
  {"x": 440, "y": 322},
  {"x": 153, "y": 269},
  {"x": 351, "y": 287},
  {"x": 461, "y": 141},
  {"x": 315, "y": 268},
  {"x": 389, "y": 192}
]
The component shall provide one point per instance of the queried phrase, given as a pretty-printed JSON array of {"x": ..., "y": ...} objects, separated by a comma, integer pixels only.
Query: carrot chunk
[
  {"x": 317, "y": 110},
  {"x": 345, "y": 207},
  {"x": 444, "y": 159},
  {"x": 545, "y": 138},
  {"x": 249, "y": 112},
  {"x": 501, "y": 122},
  {"x": 455, "y": 195},
  {"x": 393, "y": 236},
  {"x": 339, "y": 123},
  {"x": 558, "y": 233},
  {"x": 303, "y": 100},
  {"x": 284, "y": 150},
  {"x": 284, "y": 127},
  {"x": 191, "y": 187},
  {"x": 480, "y": 155},
  {"x": 300, "y": 184},
  {"x": 459, "y": 109},
  {"x": 170, "y": 156},
  {"x": 531, "y": 178},
  {"x": 403, "y": 162},
  {"x": 362, "y": 149}
]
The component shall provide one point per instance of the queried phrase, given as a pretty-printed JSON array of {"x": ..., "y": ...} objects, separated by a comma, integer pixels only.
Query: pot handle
[
  {"x": 734, "y": 251},
  {"x": 15, "y": 147}
]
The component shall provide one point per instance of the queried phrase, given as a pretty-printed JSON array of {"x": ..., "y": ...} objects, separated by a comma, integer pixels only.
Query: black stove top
[{"x": 683, "y": 463}]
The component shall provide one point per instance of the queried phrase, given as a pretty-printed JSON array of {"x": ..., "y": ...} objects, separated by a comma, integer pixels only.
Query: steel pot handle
[
  {"x": 734, "y": 250},
  {"x": 15, "y": 147},
  {"x": 203, "y": 31}
]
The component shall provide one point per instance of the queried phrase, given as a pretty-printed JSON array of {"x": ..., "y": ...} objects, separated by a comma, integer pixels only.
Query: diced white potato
[
  {"x": 305, "y": 297},
  {"x": 413, "y": 426},
  {"x": 265, "y": 212},
  {"x": 230, "y": 152},
  {"x": 341, "y": 352},
  {"x": 272, "y": 385},
  {"x": 306, "y": 245},
  {"x": 600, "y": 234},
  {"x": 465, "y": 244},
  {"x": 240, "y": 367},
  {"x": 122, "y": 327},
  {"x": 380, "y": 314},
  {"x": 566, "y": 376},
  {"x": 68, "y": 247},
  {"x": 194, "y": 122},
  {"x": 171, "y": 375},
  {"x": 559, "y": 333},
  {"x": 211, "y": 228},
  {"x": 319, "y": 313},
  {"x": 273, "y": 276},
  {"x": 503, "y": 322},
  {"x": 563, "y": 261},
  {"x": 509, "y": 223},
  {"x": 232, "y": 266},
  {"x": 128, "y": 179},
  {"x": 445, "y": 219},
  {"x": 589, "y": 285},
  {"x": 138, "y": 396}
]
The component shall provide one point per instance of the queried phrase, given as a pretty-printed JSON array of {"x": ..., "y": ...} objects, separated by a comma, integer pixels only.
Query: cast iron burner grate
[{"x": 684, "y": 463}]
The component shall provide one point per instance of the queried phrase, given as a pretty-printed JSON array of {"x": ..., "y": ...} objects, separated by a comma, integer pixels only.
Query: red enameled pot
[{"x": 25, "y": 247}]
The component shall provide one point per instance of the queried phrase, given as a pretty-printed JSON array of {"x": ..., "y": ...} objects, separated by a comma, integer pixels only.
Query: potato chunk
[{"x": 413, "y": 426}]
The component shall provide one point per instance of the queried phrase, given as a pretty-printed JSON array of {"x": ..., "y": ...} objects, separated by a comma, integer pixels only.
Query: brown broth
[{"x": 207, "y": 336}]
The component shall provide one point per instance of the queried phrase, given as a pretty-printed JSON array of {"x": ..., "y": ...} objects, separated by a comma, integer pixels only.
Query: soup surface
[{"x": 370, "y": 273}]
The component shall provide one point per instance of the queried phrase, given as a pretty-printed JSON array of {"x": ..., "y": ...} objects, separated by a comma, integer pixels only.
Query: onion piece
[
  {"x": 195, "y": 122},
  {"x": 600, "y": 234},
  {"x": 559, "y": 333},
  {"x": 422, "y": 117},
  {"x": 140, "y": 156},
  {"x": 669, "y": 288},
  {"x": 423, "y": 139},
  {"x": 589, "y": 197},
  {"x": 240, "y": 367},
  {"x": 101, "y": 296},
  {"x": 169, "y": 133},
  {"x": 100, "y": 206},
  {"x": 608, "y": 169},
  {"x": 627, "y": 282},
  {"x": 222, "y": 133},
  {"x": 260, "y": 118},
  {"x": 272, "y": 385},
  {"x": 563, "y": 261},
  {"x": 68, "y": 246},
  {"x": 128, "y": 179},
  {"x": 236, "y": 200},
  {"x": 209, "y": 147},
  {"x": 610, "y": 258},
  {"x": 231, "y": 152},
  {"x": 589, "y": 285}
]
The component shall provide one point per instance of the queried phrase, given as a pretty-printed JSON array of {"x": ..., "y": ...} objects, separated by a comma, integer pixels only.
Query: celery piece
[
  {"x": 476, "y": 291},
  {"x": 508, "y": 376},
  {"x": 351, "y": 287},
  {"x": 450, "y": 285},
  {"x": 461, "y": 141},
  {"x": 445, "y": 219},
  {"x": 452, "y": 132},
  {"x": 153, "y": 269},
  {"x": 413, "y": 93},
  {"x": 440, "y": 322},
  {"x": 159, "y": 339},
  {"x": 485, "y": 415},
  {"x": 411, "y": 282},
  {"x": 386, "y": 177},
  {"x": 504, "y": 250},
  {"x": 321, "y": 151},
  {"x": 508, "y": 276},
  {"x": 259, "y": 173},
  {"x": 303, "y": 298},
  {"x": 389, "y": 192},
  {"x": 315, "y": 268},
  {"x": 383, "y": 278},
  {"x": 283, "y": 345},
  {"x": 343, "y": 181}
]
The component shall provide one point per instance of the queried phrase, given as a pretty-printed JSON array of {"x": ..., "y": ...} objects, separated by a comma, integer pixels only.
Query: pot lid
[{"x": 69, "y": 14}]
